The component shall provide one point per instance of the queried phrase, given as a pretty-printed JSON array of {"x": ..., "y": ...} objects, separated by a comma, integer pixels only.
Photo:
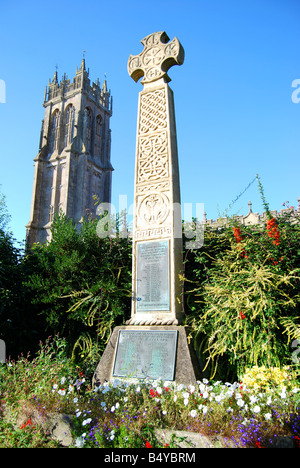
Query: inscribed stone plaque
[
  {"x": 146, "y": 354},
  {"x": 153, "y": 276}
]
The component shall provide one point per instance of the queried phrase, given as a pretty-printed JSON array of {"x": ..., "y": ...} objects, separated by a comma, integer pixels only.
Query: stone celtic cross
[
  {"x": 152, "y": 344},
  {"x": 157, "y": 57},
  {"x": 157, "y": 237}
]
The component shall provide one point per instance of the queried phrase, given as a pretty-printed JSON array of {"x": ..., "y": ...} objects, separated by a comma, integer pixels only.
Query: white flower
[
  {"x": 205, "y": 381},
  {"x": 185, "y": 395},
  {"x": 256, "y": 409},
  {"x": 282, "y": 394},
  {"x": 295, "y": 390},
  {"x": 112, "y": 409},
  {"x": 193, "y": 413},
  {"x": 186, "y": 401},
  {"x": 79, "y": 442},
  {"x": 78, "y": 413},
  {"x": 204, "y": 410},
  {"x": 253, "y": 398},
  {"x": 159, "y": 390},
  {"x": 75, "y": 400},
  {"x": 138, "y": 389},
  {"x": 55, "y": 386},
  {"x": 175, "y": 397},
  {"x": 62, "y": 380},
  {"x": 240, "y": 402},
  {"x": 164, "y": 412},
  {"x": 191, "y": 388},
  {"x": 268, "y": 416},
  {"x": 269, "y": 400},
  {"x": 117, "y": 405},
  {"x": 205, "y": 394},
  {"x": 61, "y": 392},
  {"x": 202, "y": 388},
  {"x": 86, "y": 421}
]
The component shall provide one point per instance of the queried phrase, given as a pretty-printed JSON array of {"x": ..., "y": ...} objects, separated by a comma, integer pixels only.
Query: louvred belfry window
[
  {"x": 54, "y": 136},
  {"x": 69, "y": 125},
  {"x": 88, "y": 128}
]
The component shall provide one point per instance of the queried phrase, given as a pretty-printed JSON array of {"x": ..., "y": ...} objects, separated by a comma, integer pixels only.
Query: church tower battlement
[{"x": 73, "y": 166}]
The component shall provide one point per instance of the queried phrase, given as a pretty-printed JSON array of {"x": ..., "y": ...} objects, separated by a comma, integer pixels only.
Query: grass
[{"x": 124, "y": 414}]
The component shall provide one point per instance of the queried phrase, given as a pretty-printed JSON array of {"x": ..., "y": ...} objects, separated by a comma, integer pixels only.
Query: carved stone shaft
[{"x": 157, "y": 230}]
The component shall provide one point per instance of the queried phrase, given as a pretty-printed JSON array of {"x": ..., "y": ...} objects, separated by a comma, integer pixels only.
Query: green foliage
[
  {"x": 80, "y": 283},
  {"x": 244, "y": 309}
]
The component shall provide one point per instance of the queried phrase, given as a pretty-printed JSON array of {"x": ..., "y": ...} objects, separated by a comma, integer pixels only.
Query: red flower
[
  {"x": 29, "y": 423},
  {"x": 154, "y": 393},
  {"x": 243, "y": 316},
  {"x": 273, "y": 232},
  {"x": 237, "y": 234},
  {"x": 148, "y": 445},
  {"x": 258, "y": 444}
]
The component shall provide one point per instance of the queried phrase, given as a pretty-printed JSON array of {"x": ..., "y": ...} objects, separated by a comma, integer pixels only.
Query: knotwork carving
[
  {"x": 153, "y": 113},
  {"x": 156, "y": 59},
  {"x": 153, "y": 161},
  {"x": 141, "y": 189}
]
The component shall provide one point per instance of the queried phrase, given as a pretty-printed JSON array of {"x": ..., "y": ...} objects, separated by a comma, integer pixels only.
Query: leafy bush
[
  {"x": 80, "y": 283},
  {"x": 244, "y": 309}
]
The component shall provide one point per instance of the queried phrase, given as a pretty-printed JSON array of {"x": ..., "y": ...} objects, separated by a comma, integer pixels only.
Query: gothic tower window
[
  {"x": 87, "y": 125},
  {"x": 98, "y": 136},
  {"x": 69, "y": 125},
  {"x": 54, "y": 135},
  {"x": 51, "y": 214}
]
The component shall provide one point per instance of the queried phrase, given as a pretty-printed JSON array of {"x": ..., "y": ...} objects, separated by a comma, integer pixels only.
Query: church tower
[{"x": 72, "y": 168}]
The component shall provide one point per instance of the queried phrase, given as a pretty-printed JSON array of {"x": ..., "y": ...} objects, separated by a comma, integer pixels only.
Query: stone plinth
[{"x": 187, "y": 370}]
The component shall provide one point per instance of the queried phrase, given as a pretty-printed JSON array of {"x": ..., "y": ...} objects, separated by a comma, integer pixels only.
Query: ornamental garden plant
[
  {"x": 241, "y": 301},
  {"x": 254, "y": 412},
  {"x": 242, "y": 295}
]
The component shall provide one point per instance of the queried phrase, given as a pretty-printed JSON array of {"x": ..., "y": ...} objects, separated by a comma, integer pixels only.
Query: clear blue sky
[{"x": 233, "y": 94}]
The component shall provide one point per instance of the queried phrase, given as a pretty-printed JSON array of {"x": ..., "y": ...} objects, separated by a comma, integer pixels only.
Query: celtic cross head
[{"x": 155, "y": 60}]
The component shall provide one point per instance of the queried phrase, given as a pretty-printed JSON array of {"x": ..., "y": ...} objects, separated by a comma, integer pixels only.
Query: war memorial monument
[{"x": 153, "y": 344}]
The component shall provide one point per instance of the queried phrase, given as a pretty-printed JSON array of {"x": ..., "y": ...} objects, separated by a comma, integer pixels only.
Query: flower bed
[{"x": 255, "y": 412}]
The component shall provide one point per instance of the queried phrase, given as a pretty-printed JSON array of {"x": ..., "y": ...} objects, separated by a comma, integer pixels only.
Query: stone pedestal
[{"x": 186, "y": 367}]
